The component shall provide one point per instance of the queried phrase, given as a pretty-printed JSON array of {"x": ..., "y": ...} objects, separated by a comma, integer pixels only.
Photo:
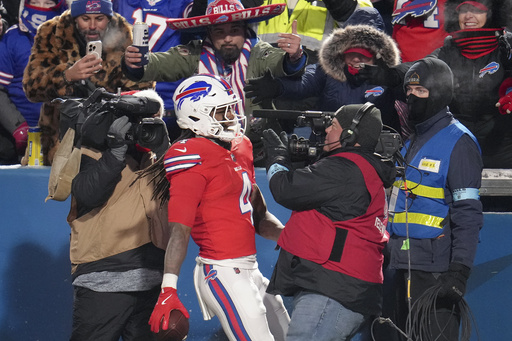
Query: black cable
[{"x": 423, "y": 315}]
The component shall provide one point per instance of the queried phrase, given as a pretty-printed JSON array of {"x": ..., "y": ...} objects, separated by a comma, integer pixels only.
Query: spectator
[
  {"x": 418, "y": 28},
  {"x": 59, "y": 67},
  {"x": 210, "y": 170},
  {"x": 315, "y": 21},
  {"x": 231, "y": 50},
  {"x": 436, "y": 215},
  {"x": 478, "y": 53},
  {"x": 116, "y": 268},
  {"x": 334, "y": 80},
  {"x": 160, "y": 39},
  {"x": 331, "y": 247},
  {"x": 18, "y": 113}
]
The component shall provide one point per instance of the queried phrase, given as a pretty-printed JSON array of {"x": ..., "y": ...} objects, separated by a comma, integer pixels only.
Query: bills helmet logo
[
  {"x": 212, "y": 275},
  {"x": 415, "y": 8},
  {"x": 490, "y": 68},
  {"x": 377, "y": 91},
  {"x": 194, "y": 92}
]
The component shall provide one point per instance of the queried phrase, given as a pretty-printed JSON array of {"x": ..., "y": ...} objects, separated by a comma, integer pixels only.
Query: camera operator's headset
[{"x": 349, "y": 136}]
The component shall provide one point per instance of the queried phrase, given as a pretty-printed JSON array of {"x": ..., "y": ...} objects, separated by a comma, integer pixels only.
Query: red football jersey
[
  {"x": 419, "y": 36},
  {"x": 210, "y": 192}
]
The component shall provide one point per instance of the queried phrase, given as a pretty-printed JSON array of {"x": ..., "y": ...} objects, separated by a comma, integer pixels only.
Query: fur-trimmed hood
[{"x": 331, "y": 56}]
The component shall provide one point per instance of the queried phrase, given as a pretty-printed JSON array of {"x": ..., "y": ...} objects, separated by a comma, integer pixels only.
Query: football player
[{"x": 214, "y": 198}]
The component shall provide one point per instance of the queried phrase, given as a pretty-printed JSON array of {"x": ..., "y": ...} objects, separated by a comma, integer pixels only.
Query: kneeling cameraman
[{"x": 331, "y": 247}]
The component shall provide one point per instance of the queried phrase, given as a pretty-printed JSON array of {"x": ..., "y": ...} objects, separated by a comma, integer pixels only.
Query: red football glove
[
  {"x": 167, "y": 301},
  {"x": 20, "y": 137},
  {"x": 505, "y": 103}
]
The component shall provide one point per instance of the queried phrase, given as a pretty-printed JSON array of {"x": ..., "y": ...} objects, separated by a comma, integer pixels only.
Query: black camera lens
[
  {"x": 298, "y": 146},
  {"x": 148, "y": 133}
]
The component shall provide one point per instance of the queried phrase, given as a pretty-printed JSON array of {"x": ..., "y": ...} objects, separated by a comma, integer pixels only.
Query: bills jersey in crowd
[
  {"x": 154, "y": 13},
  {"x": 418, "y": 27}
]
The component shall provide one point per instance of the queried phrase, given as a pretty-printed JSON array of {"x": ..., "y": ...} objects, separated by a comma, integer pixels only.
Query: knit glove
[
  {"x": 167, "y": 301},
  {"x": 453, "y": 282},
  {"x": 380, "y": 74},
  {"x": 505, "y": 92},
  {"x": 263, "y": 88},
  {"x": 276, "y": 148},
  {"x": 116, "y": 137}
]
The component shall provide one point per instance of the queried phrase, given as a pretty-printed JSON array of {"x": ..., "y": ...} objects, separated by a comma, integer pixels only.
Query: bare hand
[
  {"x": 290, "y": 43},
  {"x": 132, "y": 56},
  {"x": 84, "y": 68}
]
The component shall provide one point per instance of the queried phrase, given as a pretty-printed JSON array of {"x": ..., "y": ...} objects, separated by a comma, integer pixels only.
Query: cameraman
[
  {"x": 116, "y": 268},
  {"x": 331, "y": 247}
]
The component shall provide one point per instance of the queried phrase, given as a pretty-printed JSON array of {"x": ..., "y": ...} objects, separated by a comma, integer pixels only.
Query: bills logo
[
  {"x": 490, "y": 68},
  {"x": 377, "y": 91},
  {"x": 212, "y": 275},
  {"x": 416, "y": 8},
  {"x": 223, "y": 6},
  {"x": 194, "y": 92},
  {"x": 221, "y": 19},
  {"x": 92, "y": 6}
]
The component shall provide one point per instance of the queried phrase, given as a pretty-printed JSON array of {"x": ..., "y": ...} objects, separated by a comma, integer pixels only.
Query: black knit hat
[
  {"x": 369, "y": 128},
  {"x": 436, "y": 76}
]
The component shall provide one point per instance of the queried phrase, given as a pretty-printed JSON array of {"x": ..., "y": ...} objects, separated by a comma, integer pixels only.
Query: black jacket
[{"x": 335, "y": 187}]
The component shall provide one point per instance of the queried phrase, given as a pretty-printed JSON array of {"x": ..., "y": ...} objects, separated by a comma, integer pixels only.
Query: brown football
[{"x": 178, "y": 328}]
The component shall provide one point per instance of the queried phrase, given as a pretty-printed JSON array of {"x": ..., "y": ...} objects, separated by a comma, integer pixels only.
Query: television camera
[
  {"x": 300, "y": 148},
  {"x": 91, "y": 118}
]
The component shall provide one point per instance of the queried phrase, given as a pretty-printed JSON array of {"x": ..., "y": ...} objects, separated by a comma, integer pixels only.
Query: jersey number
[{"x": 245, "y": 196}]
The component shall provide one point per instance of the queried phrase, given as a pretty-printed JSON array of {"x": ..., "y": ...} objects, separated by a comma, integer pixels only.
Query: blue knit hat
[{"x": 79, "y": 7}]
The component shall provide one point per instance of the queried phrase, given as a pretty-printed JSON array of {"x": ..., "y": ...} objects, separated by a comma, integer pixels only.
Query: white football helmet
[{"x": 196, "y": 101}]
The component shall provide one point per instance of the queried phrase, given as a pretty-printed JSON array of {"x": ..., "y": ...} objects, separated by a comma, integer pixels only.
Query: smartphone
[{"x": 94, "y": 47}]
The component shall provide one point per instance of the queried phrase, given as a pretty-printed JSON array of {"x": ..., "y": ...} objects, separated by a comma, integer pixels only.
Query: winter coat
[{"x": 56, "y": 48}]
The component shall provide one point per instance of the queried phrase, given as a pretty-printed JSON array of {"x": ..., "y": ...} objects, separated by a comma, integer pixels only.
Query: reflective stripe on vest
[{"x": 426, "y": 205}]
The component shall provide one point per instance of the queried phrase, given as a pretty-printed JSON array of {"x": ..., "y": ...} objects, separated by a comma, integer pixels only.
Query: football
[{"x": 178, "y": 328}]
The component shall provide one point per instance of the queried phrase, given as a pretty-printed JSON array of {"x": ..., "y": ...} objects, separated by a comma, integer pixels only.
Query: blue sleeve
[
  {"x": 292, "y": 68},
  {"x": 466, "y": 217},
  {"x": 311, "y": 84}
]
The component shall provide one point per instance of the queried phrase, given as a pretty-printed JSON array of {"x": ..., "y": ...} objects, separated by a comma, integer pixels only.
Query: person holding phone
[
  {"x": 18, "y": 113},
  {"x": 59, "y": 65}
]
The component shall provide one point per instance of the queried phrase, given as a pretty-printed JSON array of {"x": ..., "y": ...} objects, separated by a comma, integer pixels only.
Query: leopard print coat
[{"x": 55, "y": 49}]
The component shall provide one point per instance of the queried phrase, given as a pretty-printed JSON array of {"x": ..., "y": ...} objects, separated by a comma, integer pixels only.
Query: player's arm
[
  {"x": 176, "y": 248},
  {"x": 265, "y": 223},
  {"x": 185, "y": 194}
]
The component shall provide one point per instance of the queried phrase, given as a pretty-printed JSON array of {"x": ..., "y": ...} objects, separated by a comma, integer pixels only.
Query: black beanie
[
  {"x": 436, "y": 76},
  {"x": 369, "y": 128}
]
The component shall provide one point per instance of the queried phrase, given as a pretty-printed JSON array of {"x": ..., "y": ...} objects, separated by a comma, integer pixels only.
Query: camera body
[
  {"x": 301, "y": 148},
  {"x": 91, "y": 119}
]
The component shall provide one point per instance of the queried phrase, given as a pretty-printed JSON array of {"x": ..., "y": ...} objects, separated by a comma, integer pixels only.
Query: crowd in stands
[
  {"x": 417, "y": 32},
  {"x": 426, "y": 67}
]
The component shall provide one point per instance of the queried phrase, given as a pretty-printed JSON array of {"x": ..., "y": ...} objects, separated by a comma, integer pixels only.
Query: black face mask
[{"x": 420, "y": 109}]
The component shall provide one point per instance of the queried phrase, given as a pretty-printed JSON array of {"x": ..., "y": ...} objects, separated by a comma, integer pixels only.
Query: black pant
[{"x": 107, "y": 316}]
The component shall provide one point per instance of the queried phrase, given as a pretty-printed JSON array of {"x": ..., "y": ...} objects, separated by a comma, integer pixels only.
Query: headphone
[{"x": 349, "y": 136}]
